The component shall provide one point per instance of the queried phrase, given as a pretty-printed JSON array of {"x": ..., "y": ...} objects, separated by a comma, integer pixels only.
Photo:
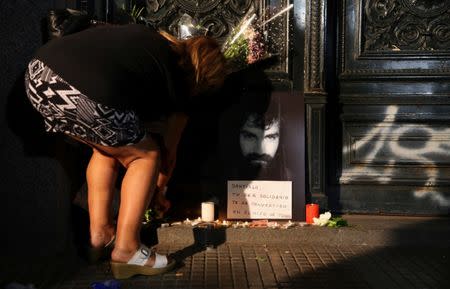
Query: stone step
[{"x": 361, "y": 230}]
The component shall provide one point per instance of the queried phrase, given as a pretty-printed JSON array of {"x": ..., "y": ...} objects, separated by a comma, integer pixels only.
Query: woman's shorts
[{"x": 65, "y": 109}]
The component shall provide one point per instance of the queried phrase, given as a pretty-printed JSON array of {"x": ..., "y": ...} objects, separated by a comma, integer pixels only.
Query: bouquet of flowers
[{"x": 247, "y": 43}]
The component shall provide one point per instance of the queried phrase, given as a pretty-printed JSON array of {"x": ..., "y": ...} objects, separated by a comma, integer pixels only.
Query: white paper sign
[{"x": 259, "y": 200}]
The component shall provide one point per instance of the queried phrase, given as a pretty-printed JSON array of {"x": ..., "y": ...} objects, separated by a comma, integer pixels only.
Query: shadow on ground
[{"x": 417, "y": 256}]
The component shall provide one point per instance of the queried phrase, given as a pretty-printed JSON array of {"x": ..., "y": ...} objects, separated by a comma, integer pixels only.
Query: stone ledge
[{"x": 362, "y": 230}]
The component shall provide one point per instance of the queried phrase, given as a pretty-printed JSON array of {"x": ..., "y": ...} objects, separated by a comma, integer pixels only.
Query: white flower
[
  {"x": 273, "y": 225},
  {"x": 322, "y": 220}
]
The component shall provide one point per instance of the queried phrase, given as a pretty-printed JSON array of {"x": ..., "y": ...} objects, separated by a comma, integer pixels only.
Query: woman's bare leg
[
  {"x": 142, "y": 162},
  {"x": 101, "y": 177}
]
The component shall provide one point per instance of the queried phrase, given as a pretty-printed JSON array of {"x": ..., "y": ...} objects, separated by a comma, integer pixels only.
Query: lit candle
[
  {"x": 312, "y": 211},
  {"x": 208, "y": 212}
]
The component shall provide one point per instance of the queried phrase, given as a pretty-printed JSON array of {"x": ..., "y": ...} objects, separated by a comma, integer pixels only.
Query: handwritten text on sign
[{"x": 259, "y": 200}]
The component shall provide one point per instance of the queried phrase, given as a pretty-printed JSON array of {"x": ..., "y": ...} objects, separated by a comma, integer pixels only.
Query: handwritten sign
[{"x": 259, "y": 200}]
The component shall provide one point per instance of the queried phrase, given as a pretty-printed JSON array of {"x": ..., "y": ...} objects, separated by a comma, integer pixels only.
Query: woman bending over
[{"x": 127, "y": 92}]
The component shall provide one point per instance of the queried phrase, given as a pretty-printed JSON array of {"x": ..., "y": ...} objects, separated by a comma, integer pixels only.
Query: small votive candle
[
  {"x": 312, "y": 211},
  {"x": 208, "y": 212}
]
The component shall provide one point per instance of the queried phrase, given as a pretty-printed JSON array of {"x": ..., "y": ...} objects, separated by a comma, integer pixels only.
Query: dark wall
[{"x": 38, "y": 171}]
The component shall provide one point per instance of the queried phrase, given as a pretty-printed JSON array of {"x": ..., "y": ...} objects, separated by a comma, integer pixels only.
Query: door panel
[{"x": 393, "y": 77}]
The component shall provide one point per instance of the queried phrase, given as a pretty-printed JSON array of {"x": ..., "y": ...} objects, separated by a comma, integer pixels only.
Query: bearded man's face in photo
[{"x": 259, "y": 141}]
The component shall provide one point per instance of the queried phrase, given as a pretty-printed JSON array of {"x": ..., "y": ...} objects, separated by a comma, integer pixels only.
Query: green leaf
[
  {"x": 136, "y": 12},
  {"x": 149, "y": 215},
  {"x": 337, "y": 222}
]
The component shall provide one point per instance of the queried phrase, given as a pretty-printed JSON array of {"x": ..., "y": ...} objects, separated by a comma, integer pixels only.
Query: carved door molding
[
  {"x": 219, "y": 16},
  {"x": 414, "y": 27},
  {"x": 382, "y": 39}
]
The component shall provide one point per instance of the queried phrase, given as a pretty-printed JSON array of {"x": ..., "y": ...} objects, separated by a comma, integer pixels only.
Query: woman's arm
[{"x": 175, "y": 126}]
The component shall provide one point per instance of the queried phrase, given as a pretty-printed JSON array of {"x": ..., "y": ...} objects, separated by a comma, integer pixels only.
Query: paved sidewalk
[
  {"x": 268, "y": 263},
  {"x": 243, "y": 266}
]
